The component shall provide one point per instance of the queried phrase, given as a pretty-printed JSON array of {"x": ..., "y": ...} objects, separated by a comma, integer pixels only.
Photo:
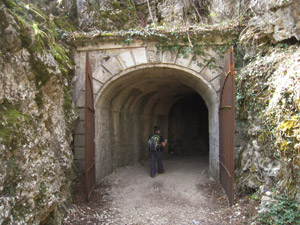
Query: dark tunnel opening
[{"x": 188, "y": 127}]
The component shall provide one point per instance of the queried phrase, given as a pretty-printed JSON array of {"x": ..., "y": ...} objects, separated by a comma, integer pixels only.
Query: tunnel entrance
[
  {"x": 181, "y": 103},
  {"x": 138, "y": 86},
  {"x": 188, "y": 127}
]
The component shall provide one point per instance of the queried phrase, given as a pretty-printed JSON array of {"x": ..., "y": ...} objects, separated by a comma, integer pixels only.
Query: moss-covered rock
[
  {"x": 267, "y": 105},
  {"x": 36, "y": 115}
]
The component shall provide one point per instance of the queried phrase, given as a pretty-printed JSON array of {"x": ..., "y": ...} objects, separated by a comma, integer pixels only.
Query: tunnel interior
[
  {"x": 131, "y": 105},
  {"x": 188, "y": 127}
]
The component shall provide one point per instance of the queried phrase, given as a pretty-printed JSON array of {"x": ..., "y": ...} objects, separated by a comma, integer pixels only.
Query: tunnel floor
[{"x": 184, "y": 194}]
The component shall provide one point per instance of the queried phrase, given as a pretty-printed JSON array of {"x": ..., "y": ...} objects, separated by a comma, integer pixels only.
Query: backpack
[{"x": 153, "y": 143}]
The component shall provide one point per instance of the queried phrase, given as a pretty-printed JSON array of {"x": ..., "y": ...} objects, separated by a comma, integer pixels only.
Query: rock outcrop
[
  {"x": 273, "y": 21},
  {"x": 268, "y": 122},
  {"x": 36, "y": 118}
]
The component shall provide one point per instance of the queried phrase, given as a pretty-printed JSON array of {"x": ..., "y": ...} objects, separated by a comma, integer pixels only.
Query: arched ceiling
[{"x": 148, "y": 91}]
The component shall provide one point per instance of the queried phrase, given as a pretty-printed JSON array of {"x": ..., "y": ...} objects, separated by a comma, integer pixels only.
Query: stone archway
[{"x": 135, "y": 87}]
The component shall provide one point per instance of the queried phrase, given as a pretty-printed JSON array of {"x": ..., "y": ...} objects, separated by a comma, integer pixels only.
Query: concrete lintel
[
  {"x": 104, "y": 45},
  {"x": 211, "y": 99},
  {"x": 201, "y": 87}
]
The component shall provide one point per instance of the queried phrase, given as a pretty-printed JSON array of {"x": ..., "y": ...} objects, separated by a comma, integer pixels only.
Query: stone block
[
  {"x": 153, "y": 55},
  {"x": 210, "y": 74},
  {"x": 80, "y": 101},
  {"x": 140, "y": 56},
  {"x": 112, "y": 65},
  {"x": 80, "y": 128},
  {"x": 102, "y": 75},
  {"x": 126, "y": 60},
  {"x": 96, "y": 86},
  {"x": 80, "y": 165},
  {"x": 184, "y": 60},
  {"x": 79, "y": 140},
  {"x": 218, "y": 57},
  {"x": 200, "y": 86},
  {"x": 216, "y": 83},
  {"x": 198, "y": 64},
  {"x": 81, "y": 113},
  {"x": 169, "y": 57},
  {"x": 79, "y": 153}
]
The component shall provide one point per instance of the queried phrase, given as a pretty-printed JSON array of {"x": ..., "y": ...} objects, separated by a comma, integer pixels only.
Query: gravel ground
[{"x": 184, "y": 194}]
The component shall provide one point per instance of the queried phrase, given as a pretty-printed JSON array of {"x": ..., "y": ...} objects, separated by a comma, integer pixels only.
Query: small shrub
[{"x": 285, "y": 211}]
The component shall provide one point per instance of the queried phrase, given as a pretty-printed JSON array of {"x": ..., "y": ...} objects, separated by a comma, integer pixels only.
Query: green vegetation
[
  {"x": 283, "y": 211},
  {"x": 44, "y": 37},
  {"x": 40, "y": 33},
  {"x": 267, "y": 104},
  {"x": 13, "y": 122}
]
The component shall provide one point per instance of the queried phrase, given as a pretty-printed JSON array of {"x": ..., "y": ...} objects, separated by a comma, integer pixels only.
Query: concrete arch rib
[
  {"x": 133, "y": 100},
  {"x": 193, "y": 80}
]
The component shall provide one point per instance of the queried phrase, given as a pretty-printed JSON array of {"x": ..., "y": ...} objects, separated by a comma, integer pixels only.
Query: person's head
[{"x": 156, "y": 129}]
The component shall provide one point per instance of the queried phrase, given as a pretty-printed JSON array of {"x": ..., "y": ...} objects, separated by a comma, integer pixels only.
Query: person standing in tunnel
[{"x": 156, "y": 145}]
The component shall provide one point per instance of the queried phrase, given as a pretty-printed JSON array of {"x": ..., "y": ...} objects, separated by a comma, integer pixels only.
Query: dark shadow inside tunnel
[{"x": 188, "y": 127}]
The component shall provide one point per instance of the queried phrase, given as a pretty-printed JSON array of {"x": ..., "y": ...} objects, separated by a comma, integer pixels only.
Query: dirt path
[{"x": 184, "y": 194}]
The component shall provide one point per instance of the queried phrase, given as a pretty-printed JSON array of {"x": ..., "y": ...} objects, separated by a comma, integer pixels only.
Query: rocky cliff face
[
  {"x": 268, "y": 122},
  {"x": 267, "y": 102},
  {"x": 36, "y": 116},
  {"x": 273, "y": 21}
]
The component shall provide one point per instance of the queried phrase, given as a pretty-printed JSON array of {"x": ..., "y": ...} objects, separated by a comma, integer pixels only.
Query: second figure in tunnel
[{"x": 156, "y": 144}]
